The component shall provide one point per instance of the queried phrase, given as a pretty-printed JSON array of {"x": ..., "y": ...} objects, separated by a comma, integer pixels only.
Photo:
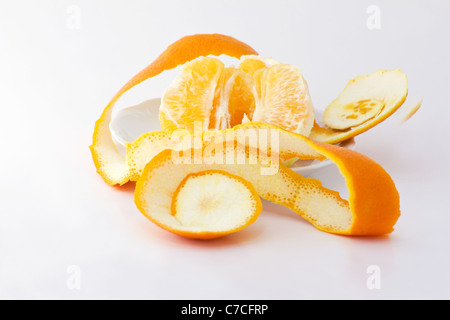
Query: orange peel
[
  {"x": 411, "y": 110},
  {"x": 210, "y": 204},
  {"x": 372, "y": 207},
  {"x": 386, "y": 89},
  {"x": 148, "y": 145},
  {"x": 110, "y": 164},
  {"x": 283, "y": 99}
]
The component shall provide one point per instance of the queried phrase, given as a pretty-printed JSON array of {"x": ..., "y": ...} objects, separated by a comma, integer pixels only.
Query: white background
[{"x": 56, "y": 76}]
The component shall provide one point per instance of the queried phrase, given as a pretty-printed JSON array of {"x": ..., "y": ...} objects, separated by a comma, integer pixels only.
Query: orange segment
[
  {"x": 283, "y": 99},
  {"x": 110, "y": 164},
  {"x": 251, "y": 63},
  {"x": 242, "y": 100},
  {"x": 233, "y": 99},
  {"x": 190, "y": 97},
  {"x": 207, "y": 92},
  {"x": 282, "y": 94}
]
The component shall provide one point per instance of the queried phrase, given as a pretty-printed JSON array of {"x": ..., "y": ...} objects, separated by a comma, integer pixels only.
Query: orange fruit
[
  {"x": 282, "y": 94},
  {"x": 234, "y": 99},
  {"x": 260, "y": 90},
  {"x": 190, "y": 97},
  {"x": 206, "y": 92},
  {"x": 283, "y": 99},
  {"x": 252, "y": 63}
]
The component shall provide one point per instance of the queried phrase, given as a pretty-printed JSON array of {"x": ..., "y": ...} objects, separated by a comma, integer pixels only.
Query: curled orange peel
[
  {"x": 148, "y": 145},
  {"x": 372, "y": 207},
  {"x": 388, "y": 87},
  {"x": 110, "y": 164},
  {"x": 212, "y": 203}
]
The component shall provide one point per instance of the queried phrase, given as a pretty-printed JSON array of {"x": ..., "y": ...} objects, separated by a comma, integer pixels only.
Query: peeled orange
[
  {"x": 259, "y": 90},
  {"x": 234, "y": 99},
  {"x": 190, "y": 97},
  {"x": 207, "y": 92}
]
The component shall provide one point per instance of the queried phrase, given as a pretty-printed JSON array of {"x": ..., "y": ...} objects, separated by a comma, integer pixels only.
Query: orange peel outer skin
[
  {"x": 110, "y": 164},
  {"x": 373, "y": 198},
  {"x": 373, "y": 201}
]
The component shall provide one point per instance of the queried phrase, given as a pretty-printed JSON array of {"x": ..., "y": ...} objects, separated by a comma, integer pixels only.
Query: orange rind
[
  {"x": 352, "y": 114},
  {"x": 372, "y": 207},
  {"x": 205, "y": 205},
  {"x": 411, "y": 110},
  {"x": 288, "y": 144},
  {"x": 365, "y": 102},
  {"x": 200, "y": 205}
]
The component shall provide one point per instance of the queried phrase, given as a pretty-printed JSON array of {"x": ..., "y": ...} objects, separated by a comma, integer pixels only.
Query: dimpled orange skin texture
[
  {"x": 110, "y": 164},
  {"x": 374, "y": 199},
  {"x": 187, "y": 49}
]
